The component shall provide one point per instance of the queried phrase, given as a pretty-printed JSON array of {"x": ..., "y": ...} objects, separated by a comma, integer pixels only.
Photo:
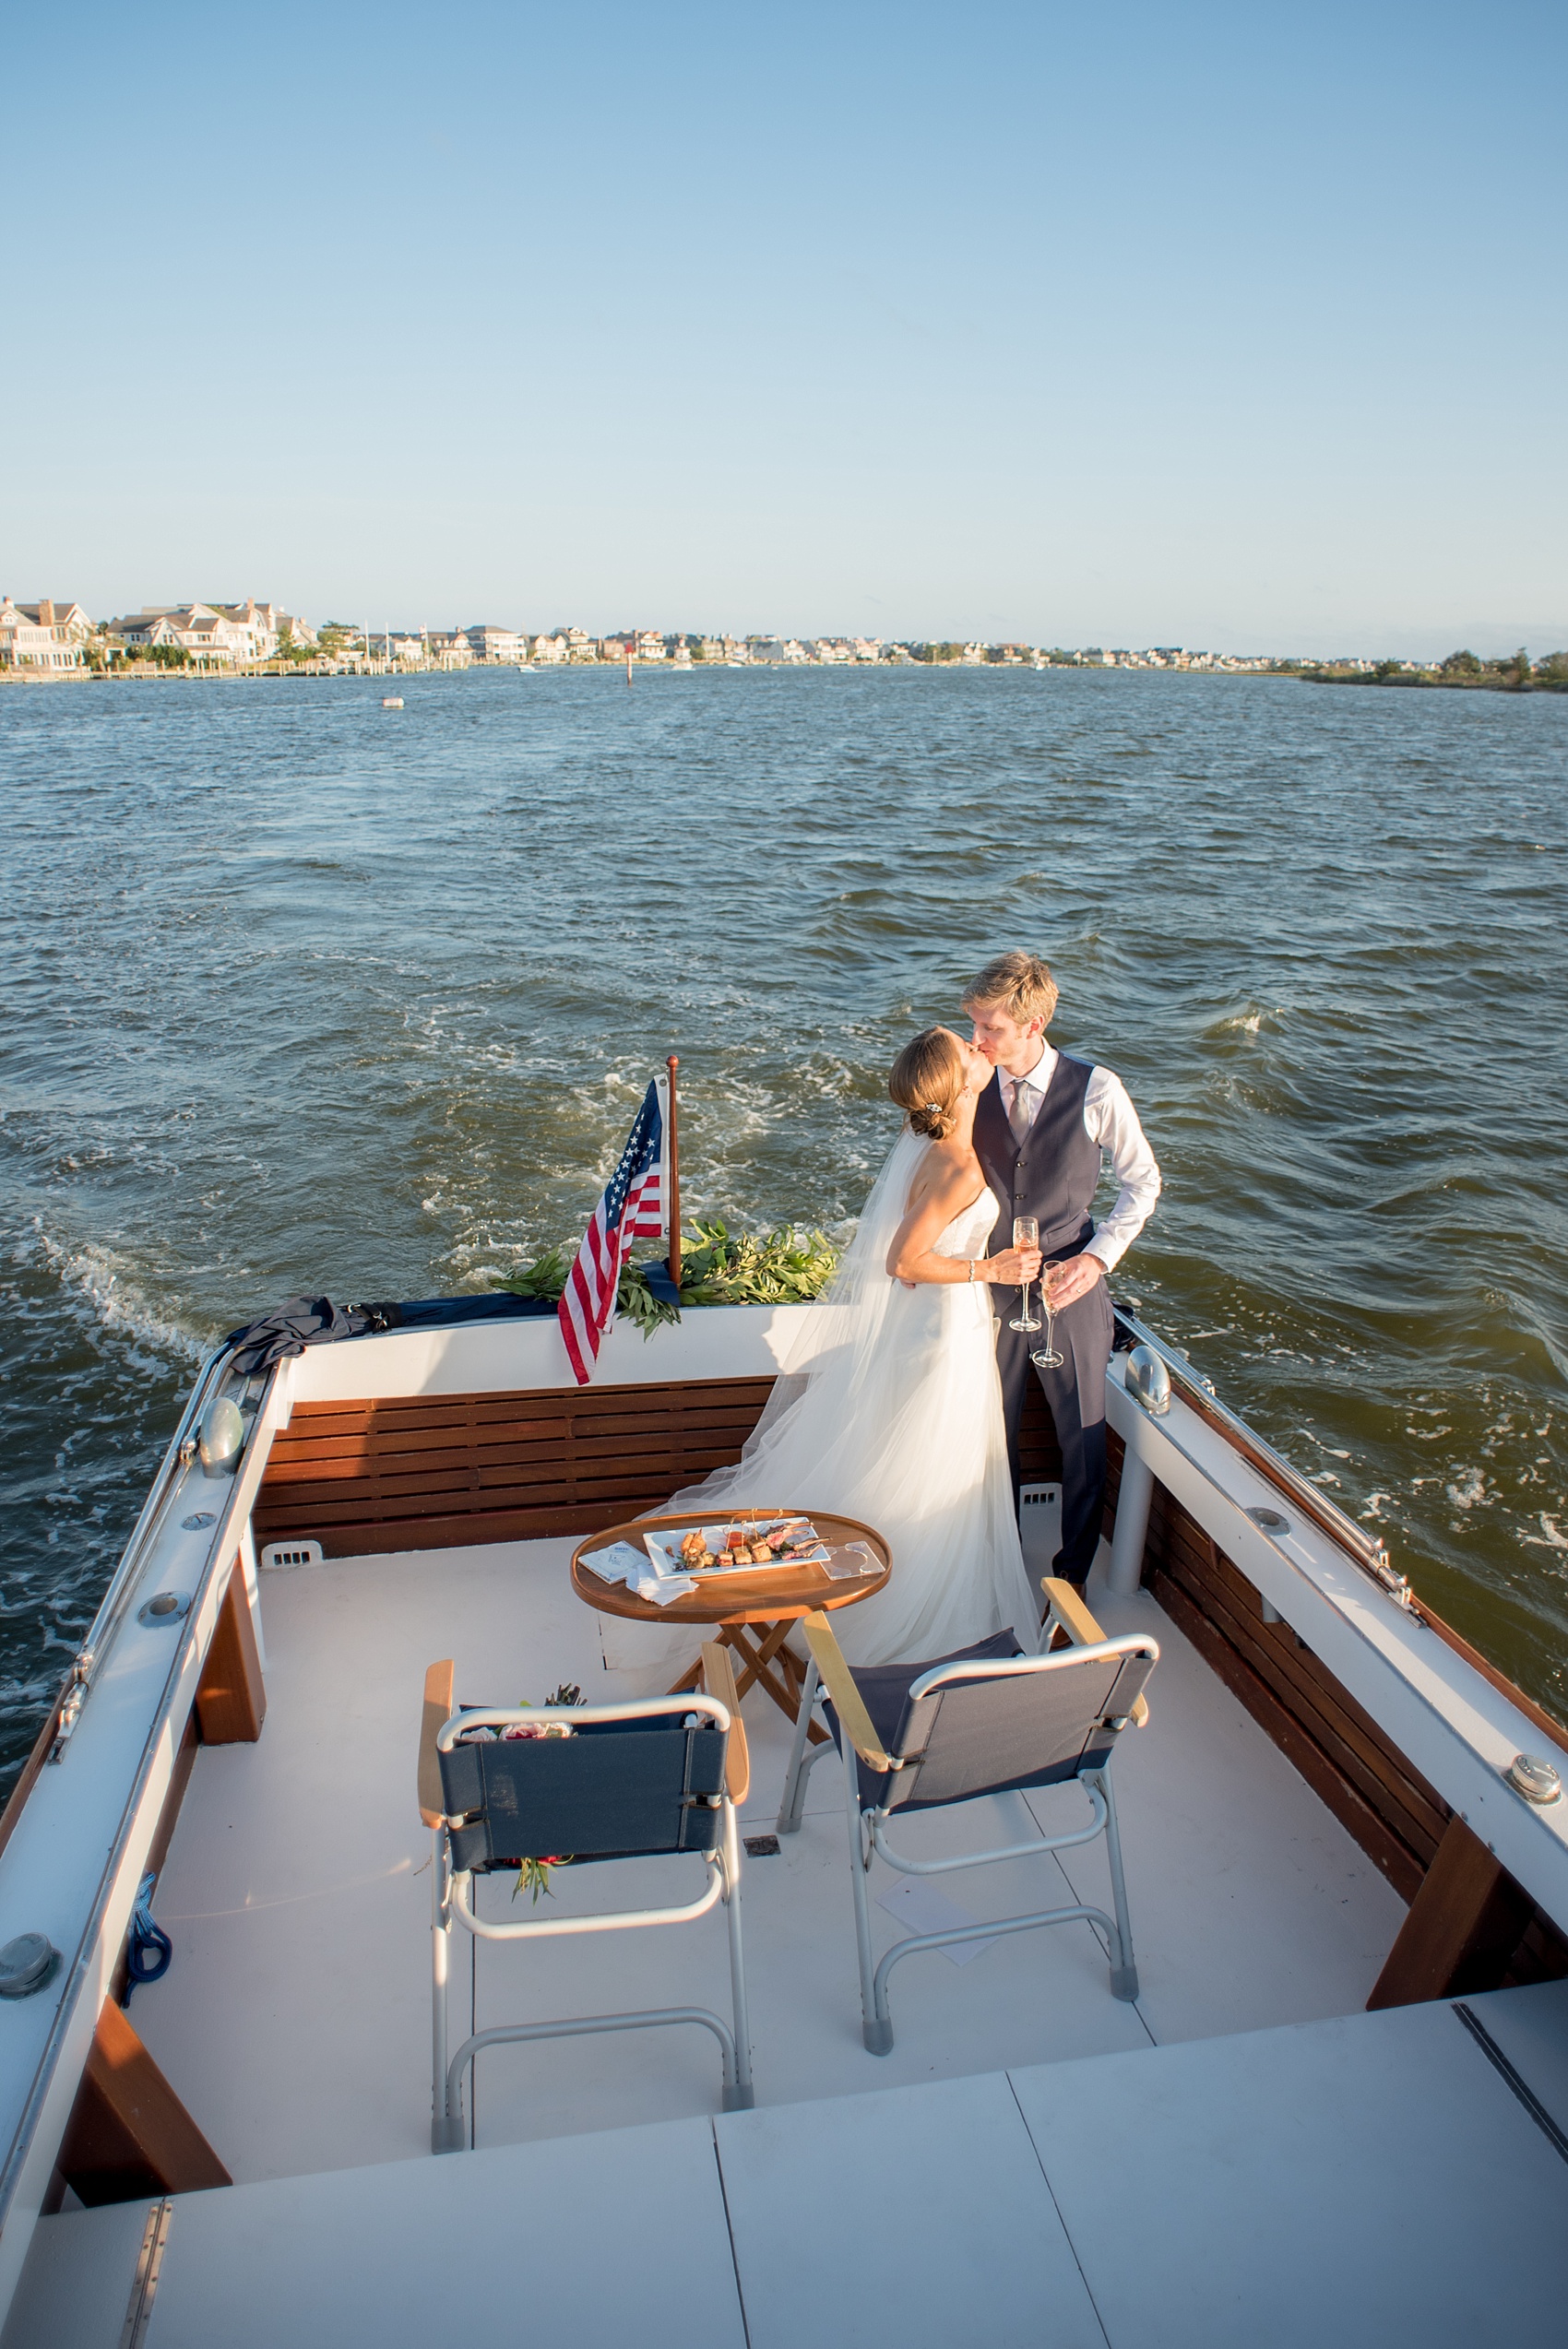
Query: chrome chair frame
[
  {"x": 830, "y": 1681},
  {"x": 452, "y": 1905}
]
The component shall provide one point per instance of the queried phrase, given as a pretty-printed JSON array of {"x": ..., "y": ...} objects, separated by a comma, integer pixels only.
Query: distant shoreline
[
  {"x": 1495, "y": 683},
  {"x": 1487, "y": 681}
]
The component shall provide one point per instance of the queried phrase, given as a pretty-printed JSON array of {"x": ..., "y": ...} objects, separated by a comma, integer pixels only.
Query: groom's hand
[{"x": 1073, "y": 1278}]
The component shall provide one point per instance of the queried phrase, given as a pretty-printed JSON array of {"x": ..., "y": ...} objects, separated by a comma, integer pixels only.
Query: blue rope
[{"x": 149, "y": 1949}]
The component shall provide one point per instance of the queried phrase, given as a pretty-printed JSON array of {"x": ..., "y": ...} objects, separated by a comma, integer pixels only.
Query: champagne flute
[
  {"x": 1026, "y": 1234},
  {"x": 1047, "y": 1356}
]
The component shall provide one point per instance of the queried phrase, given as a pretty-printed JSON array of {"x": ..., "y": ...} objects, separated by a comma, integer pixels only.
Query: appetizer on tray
[{"x": 734, "y": 1548}]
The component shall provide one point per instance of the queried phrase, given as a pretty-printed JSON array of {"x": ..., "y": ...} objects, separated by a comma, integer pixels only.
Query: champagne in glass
[
  {"x": 1049, "y": 1356},
  {"x": 1026, "y": 1234}
]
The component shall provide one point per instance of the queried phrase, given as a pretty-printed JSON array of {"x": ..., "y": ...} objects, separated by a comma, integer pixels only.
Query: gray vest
[{"x": 1056, "y": 1173}]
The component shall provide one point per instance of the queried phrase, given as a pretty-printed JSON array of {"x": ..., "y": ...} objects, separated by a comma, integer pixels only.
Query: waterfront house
[
  {"x": 449, "y": 648},
  {"x": 487, "y": 642},
  {"x": 43, "y": 635},
  {"x": 207, "y": 635},
  {"x": 256, "y": 628},
  {"x": 549, "y": 649}
]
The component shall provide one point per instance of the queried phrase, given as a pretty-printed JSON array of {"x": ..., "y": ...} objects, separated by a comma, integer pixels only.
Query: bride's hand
[{"x": 1013, "y": 1267}]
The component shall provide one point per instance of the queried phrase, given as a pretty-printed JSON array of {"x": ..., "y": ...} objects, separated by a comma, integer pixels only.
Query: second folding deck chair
[
  {"x": 990, "y": 1720},
  {"x": 665, "y": 1775}
]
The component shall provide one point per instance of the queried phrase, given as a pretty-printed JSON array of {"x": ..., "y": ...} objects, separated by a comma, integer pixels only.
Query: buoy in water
[{"x": 391, "y": 701}]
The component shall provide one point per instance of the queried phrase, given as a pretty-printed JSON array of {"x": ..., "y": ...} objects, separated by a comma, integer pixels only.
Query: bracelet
[{"x": 972, "y": 1272}]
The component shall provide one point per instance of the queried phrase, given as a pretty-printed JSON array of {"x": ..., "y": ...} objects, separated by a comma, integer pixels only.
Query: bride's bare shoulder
[{"x": 946, "y": 1177}]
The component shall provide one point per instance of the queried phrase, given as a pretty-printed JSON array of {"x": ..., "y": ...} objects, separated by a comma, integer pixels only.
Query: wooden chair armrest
[
  {"x": 718, "y": 1680},
  {"x": 438, "y": 1683},
  {"x": 848, "y": 1702},
  {"x": 1067, "y": 1606},
  {"x": 1068, "y": 1609}
]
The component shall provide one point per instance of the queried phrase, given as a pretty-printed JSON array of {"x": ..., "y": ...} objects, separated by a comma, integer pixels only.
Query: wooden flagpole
[{"x": 673, "y": 1200}]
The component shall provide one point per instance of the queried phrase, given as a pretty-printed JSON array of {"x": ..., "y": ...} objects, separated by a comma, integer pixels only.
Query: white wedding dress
[{"x": 889, "y": 1408}]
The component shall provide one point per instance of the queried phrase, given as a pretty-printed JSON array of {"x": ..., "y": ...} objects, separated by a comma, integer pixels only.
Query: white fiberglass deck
[
  {"x": 1377, "y": 2179},
  {"x": 294, "y": 2022}
]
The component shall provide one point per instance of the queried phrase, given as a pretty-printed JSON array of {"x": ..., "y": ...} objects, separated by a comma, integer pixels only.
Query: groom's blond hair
[{"x": 1021, "y": 984}]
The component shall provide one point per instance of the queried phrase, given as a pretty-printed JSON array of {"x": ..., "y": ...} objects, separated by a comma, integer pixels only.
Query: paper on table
[{"x": 621, "y": 1562}]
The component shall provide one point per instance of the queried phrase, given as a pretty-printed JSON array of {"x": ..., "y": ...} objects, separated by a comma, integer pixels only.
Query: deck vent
[
  {"x": 1270, "y": 1520},
  {"x": 1533, "y": 1778},
  {"x": 26, "y": 1964},
  {"x": 292, "y": 1553},
  {"x": 197, "y": 1520},
  {"x": 164, "y": 1607}
]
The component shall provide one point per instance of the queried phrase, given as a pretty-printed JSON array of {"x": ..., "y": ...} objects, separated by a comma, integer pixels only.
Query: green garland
[{"x": 784, "y": 1267}]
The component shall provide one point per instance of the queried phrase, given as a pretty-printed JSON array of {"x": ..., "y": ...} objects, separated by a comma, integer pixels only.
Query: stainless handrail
[{"x": 1370, "y": 1551}]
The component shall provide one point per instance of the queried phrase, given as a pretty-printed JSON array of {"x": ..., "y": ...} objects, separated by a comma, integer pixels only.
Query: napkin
[{"x": 622, "y": 1563}]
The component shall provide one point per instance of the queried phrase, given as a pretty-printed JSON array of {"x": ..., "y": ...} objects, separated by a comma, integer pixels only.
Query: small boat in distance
[{"x": 391, "y": 701}]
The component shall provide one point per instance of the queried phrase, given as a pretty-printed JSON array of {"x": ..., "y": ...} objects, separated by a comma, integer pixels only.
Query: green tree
[
  {"x": 1461, "y": 664},
  {"x": 1518, "y": 669}
]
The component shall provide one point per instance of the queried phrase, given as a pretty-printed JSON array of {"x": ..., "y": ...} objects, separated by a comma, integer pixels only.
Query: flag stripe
[{"x": 632, "y": 1208}]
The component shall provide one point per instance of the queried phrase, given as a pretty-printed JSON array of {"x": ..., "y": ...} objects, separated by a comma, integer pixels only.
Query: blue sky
[{"x": 1231, "y": 326}]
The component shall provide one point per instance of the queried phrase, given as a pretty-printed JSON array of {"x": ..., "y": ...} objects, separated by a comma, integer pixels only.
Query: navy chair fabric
[
  {"x": 984, "y": 1737},
  {"x": 611, "y": 1790}
]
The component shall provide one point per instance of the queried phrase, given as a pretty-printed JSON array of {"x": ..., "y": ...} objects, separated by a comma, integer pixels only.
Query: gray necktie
[{"x": 1023, "y": 1110}]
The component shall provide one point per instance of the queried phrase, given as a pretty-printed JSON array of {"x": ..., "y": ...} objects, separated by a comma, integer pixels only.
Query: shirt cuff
[{"x": 1108, "y": 1249}]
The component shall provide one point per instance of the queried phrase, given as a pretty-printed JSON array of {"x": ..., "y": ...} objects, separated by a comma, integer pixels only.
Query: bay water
[{"x": 302, "y": 994}]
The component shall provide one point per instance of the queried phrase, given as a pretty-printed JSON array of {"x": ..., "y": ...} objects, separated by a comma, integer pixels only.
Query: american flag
[{"x": 632, "y": 1208}]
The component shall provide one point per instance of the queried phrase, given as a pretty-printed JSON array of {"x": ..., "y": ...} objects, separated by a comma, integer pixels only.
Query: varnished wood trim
[
  {"x": 129, "y": 2136},
  {"x": 231, "y": 1700},
  {"x": 1400, "y": 1821},
  {"x": 1463, "y": 1927}
]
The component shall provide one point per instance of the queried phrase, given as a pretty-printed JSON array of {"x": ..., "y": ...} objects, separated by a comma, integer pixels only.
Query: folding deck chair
[
  {"x": 663, "y": 1775},
  {"x": 989, "y": 1720}
]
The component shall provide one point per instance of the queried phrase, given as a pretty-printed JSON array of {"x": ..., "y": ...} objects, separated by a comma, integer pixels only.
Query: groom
[{"x": 1042, "y": 1124}]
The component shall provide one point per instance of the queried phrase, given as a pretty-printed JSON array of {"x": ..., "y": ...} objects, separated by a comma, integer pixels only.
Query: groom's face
[{"x": 1006, "y": 1042}]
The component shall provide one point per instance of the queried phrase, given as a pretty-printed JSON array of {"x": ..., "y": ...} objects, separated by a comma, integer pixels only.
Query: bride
[{"x": 890, "y": 1406}]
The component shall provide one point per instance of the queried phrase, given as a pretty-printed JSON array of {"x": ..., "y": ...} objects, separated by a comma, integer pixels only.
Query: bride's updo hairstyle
[{"x": 928, "y": 1076}]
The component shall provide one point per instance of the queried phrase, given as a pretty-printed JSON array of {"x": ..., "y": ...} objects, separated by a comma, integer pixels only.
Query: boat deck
[
  {"x": 1381, "y": 2179},
  {"x": 294, "y": 2022}
]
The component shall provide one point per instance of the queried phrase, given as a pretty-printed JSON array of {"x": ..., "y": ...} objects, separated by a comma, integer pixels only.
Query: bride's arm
[{"x": 911, "y": 1259}]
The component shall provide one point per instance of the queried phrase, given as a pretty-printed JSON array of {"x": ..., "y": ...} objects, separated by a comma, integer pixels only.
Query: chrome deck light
[
  {"x": 1148, "y": 1381},
  {"x": 1535, "y": 1779},
  {"x": 222, "y": 1437}
]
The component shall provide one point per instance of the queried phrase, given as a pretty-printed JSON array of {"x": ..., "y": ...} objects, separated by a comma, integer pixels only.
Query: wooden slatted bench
[{"x": 441, "y": 1472}]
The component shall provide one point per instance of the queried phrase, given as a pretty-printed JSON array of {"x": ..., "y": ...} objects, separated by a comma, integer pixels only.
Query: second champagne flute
[
  {"x": 1047, "y": 1357},
  {"x": 1026, "y": 1234}
]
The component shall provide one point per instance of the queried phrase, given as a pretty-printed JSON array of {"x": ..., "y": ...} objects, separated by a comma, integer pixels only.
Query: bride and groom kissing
[{"x": 901, "y": 1400}]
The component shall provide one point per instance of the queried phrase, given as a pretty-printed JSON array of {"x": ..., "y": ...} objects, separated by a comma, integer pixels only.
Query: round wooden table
[{"x": 752, "y": 1609}]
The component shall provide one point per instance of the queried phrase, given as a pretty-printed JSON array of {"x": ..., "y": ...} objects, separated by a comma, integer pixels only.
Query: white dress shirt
[{"x": 1110, "y": 1119}]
